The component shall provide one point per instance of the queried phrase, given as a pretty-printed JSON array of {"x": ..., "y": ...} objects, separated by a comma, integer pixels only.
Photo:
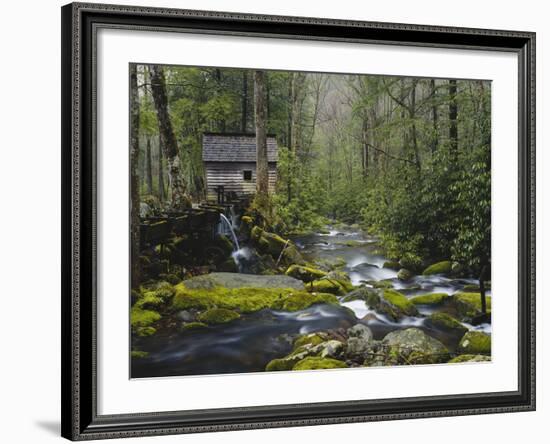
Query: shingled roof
[{"x": 220, "y": 147}]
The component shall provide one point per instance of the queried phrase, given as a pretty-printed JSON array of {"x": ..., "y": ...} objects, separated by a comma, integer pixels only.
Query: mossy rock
[
  {"x": 171, "y": 278},
  {"x": 475, "y": 342},
  {"x": 384, "y": 284},
  {"x": 350, "y": 243},
  {"x": 413, "y": 346},
  {"x": 469, "y": 358},
  {"x": 405, "y": 275},
  {"x": 342, "y": 278},
  {"x": 138, "y": 354},
  {"x": 279, "y": 365},
  {"x": 430, "y": 299},
  {"x": 362, "y": 294},
  {"x": 326, "y": 286},
  {"x": 310, "y": 339},
  {"x": 301, "y": 301},
  {"x": 193, "y": 326},
  {"x": 247, "y": 299},
  {"x": 443, "y": 267},
  {"x": 145, "y": 331},
  {"x": 305, "y": 274},
  {"x": 218, "y": 316},
  {"x": 392, "y": 265},
  {"x": 468, "y": 305},
  {"x": 143, "y": 318},
  {"x": 318, "y": 363},
  {"x": 443, "y": 321},
  {"x": 400, "y": 301}
]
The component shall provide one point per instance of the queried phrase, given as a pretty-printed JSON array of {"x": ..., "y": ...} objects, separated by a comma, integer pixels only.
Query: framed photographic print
[{"x": 279, "y": 221}]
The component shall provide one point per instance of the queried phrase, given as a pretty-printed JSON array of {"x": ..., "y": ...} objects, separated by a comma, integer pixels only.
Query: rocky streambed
[{"x": 335, "y": 302}]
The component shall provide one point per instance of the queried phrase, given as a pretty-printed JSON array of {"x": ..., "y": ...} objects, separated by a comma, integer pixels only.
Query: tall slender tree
[
  {"x": 134, "y": 178},
  {"x": 179, "y": 198},
  {"x": 262, "y": 177}
]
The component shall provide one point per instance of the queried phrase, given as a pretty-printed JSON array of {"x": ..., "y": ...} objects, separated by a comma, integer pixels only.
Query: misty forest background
[{"x": 408, "y": 159}]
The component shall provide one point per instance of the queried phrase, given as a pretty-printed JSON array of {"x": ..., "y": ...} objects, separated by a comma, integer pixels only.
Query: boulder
[
  {"x": 468, "y": 305},
  {"x": 317, "y": 363},
  {"x": 475, "y": 342},
  {"x": 305, "y": 274},
  {"x": 359, "y": 340},
  {"x": 405, "y": 275},
  {"x": 413, "y": 346},
  {"x": 430, "y": 299},
  {"x": 470, "y": 358},
  {"x": 391, "y": 303},
  {"x": 443, "y": 321},
  {"x": 443, "y": 267},
  {"x": 240, "y": 280}
]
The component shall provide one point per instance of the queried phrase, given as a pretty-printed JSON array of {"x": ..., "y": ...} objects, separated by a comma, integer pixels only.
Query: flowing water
[{"x": 249, "y": 343}]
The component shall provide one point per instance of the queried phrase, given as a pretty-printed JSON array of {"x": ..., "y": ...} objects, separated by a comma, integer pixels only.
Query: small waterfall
[{"x": 224, "y": 221}]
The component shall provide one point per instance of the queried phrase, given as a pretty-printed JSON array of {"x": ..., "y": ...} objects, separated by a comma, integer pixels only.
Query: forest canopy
[{"x": 408, "y": 159}]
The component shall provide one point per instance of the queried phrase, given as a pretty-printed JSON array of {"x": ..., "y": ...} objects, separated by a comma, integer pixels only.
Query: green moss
[
  {"x": 245, "y": 300},
  {"x": 279, "y": 365},
  {"x": 149, "y": 300},
  {"x": 443, "y": 267},
  {"x": 311, "y": 339},
  {"x": 475, "y": 342},
  {"x": 385, "y": 284},
  {"x": 145, "y": 331},
  {"x": 301, "y": 300},
  {"x": 430, "y": 299},
  {"x": 218, "y": 316},
  {"x": 400, "y": 301},
  {"x": 256, "y": 233},
  {"x": 305, "y": 274},
  {"x": 193, "y": 325},
  {"x": 473, "y": 300},
  {"x": 137, "y": 354},
  {"x": 143, "y": 318},
  {"x": 469, "y": 358},
  {"x": 326, "y": 286},
  {"x": 316, "y": 363},
  {"x": 471, "y": 288},
  {"x": 445, "y": 321}
]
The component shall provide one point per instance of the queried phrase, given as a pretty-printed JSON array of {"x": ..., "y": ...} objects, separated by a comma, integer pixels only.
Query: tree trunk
[
  {"x": 149, "y": 167},
  {"x": 162, "y": 194},
  {"x": 134, "y": 179},
  {"x": 453, "y": 124},
  {"x": 435, "y": 139},
  {"x": 482, "y": 278},
  {"x": 244, "y": 102},
  {"x": 414, "y": 137},
  {"x": 262, "y": 178},
  {"x": 179, "y": 198},
  {"x": 365, "y": 150}
]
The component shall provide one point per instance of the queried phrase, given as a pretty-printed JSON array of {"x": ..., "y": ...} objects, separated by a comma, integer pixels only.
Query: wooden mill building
[{"x": 230, "y": 164}]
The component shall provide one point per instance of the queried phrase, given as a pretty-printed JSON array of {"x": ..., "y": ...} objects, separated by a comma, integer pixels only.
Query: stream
[{"x": 249, "y": 343}]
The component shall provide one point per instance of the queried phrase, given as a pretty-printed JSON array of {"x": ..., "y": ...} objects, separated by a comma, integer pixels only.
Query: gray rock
[
  {"x": 239, "y": 280},
  {"x": 186, "y": 316},
  {"x": 404, "y": 275},
  {"x": 360, "y": 331},
  {"x": 413, "y": 346}
]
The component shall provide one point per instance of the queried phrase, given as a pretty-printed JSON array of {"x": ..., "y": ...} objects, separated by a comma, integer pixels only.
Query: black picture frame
[{"x": 80, "y": 420}]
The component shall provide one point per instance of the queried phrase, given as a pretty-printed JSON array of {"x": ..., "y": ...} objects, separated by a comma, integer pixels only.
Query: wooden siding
[{"x": 230, "y": 175}]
